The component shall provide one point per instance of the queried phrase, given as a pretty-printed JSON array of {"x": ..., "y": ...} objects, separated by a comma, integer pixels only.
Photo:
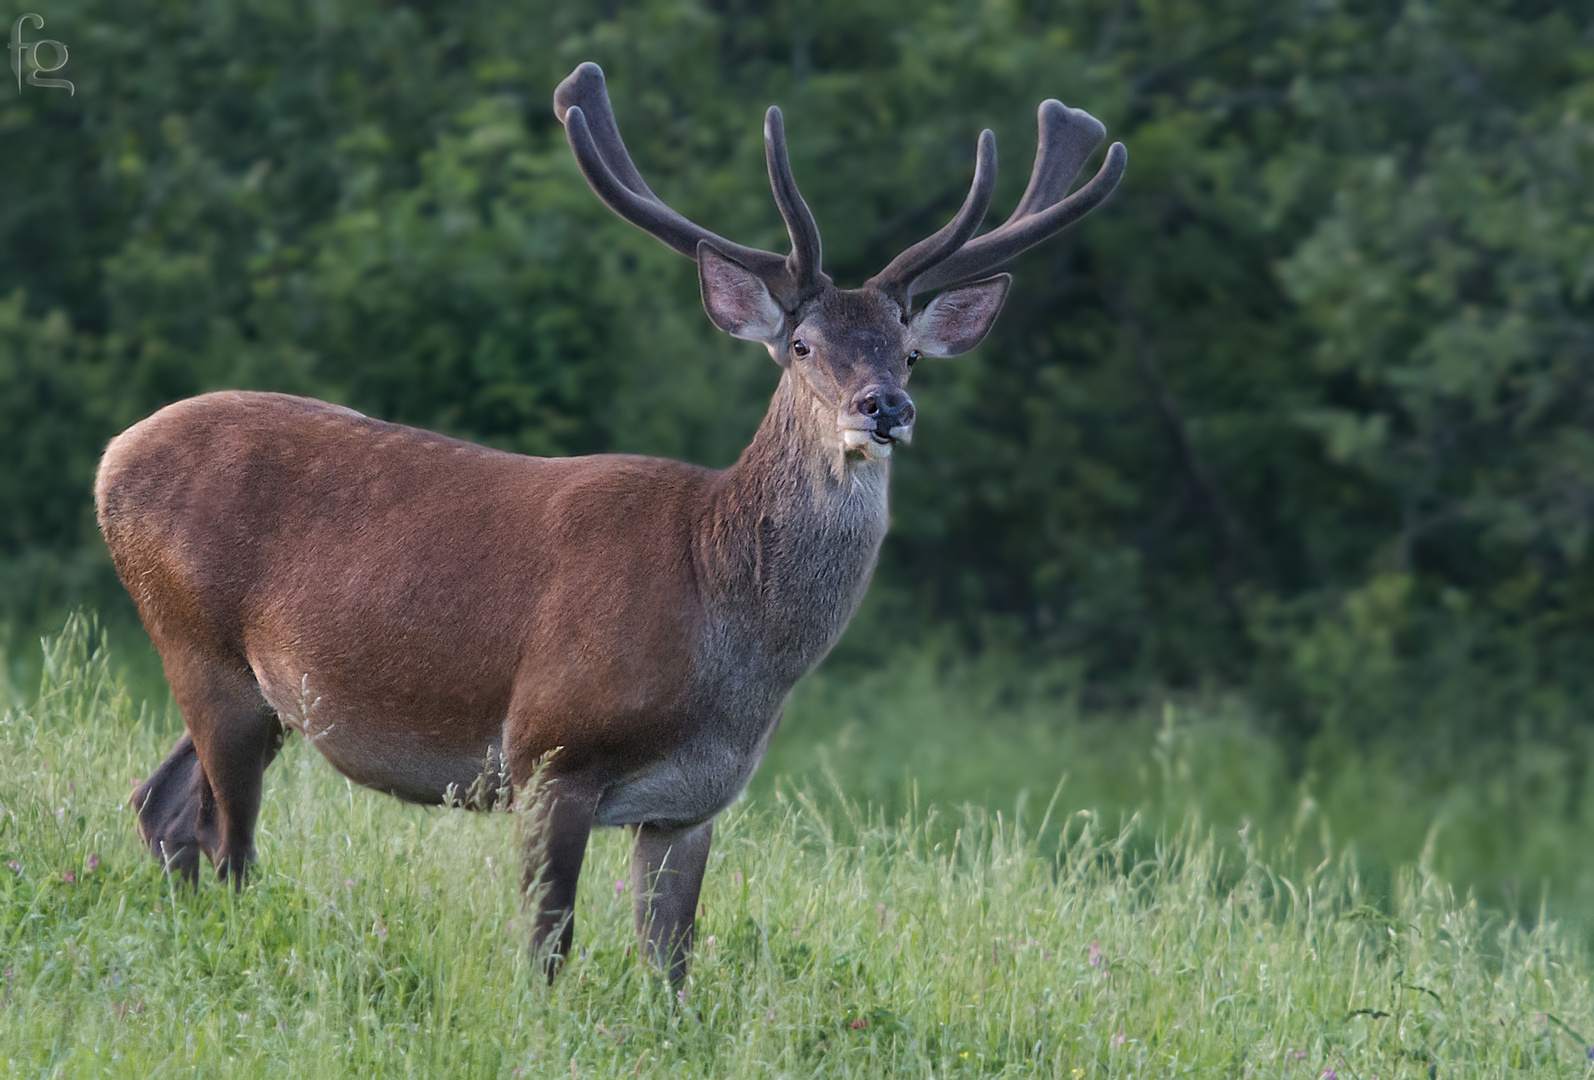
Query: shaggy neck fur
[{"x": 795, "y": 527}]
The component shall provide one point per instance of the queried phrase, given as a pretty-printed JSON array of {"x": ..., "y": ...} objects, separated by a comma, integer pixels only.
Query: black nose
[{"x": 886, "y": 406}]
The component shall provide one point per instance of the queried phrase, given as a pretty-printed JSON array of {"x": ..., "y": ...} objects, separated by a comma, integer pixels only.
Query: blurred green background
[{"x": 1269, "y": 498}]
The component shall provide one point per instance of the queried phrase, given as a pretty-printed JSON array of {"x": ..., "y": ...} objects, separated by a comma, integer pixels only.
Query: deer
[{"x": 415, "y": 605}]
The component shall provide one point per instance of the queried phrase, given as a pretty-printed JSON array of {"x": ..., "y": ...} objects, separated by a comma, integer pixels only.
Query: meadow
[{"x": 838, "y": 938}]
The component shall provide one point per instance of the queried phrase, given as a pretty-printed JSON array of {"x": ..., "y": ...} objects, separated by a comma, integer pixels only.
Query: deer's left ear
[{"x": 959, "y": 319}]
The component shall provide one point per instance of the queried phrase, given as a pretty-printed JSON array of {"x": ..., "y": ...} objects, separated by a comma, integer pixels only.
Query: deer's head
[{"x": 852, "y": 350}]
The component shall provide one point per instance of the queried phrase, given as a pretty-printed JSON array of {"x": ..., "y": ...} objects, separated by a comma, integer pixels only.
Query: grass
[
  {"x": 1507, "y": 822},
  {"x": 378, "y": 939}
]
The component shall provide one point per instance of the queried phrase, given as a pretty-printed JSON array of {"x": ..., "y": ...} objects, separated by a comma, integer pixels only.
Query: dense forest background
[{"x": 1304, "y": 416}]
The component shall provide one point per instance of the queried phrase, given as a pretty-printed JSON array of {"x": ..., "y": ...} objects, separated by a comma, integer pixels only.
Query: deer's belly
[
  {"x": 427, "y": 763},
  {"x": 419, "y": 773}
]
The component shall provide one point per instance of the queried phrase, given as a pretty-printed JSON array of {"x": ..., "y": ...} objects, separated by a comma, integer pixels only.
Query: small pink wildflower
[
  {"x": 1095, "y": 954},
  {"x": 68, "y": 877},
  {"x": 619, "y": 886},
  {"x": 737, "y": 877},
  {"x": 93, "y": 863},
  {"x": 1329, "y": 1074},
  {"x": 709, "y": 940},
  {"x": 858, "y": 1024},
  {"x": 1118, "y": 1039},
  {"x": 14, "y": 866},
  {"x": 680, "y": 995}
]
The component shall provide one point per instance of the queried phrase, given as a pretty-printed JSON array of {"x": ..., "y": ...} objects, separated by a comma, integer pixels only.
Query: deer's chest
[
  {"x": 689, "y": 786},
  {"x": 762, "y": 636}
]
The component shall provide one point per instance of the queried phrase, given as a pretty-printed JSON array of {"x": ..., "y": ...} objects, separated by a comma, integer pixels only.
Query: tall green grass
[
  {"x": 1509, "y": 821},
  {"x": 378, "y": 939}
]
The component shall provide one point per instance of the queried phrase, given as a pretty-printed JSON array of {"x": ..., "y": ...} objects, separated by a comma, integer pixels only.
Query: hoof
[{"x": 180, "y": 858}]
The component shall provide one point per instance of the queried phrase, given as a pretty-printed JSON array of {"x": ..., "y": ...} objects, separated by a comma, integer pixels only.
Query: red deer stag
[{"x": 418, "y": 605}]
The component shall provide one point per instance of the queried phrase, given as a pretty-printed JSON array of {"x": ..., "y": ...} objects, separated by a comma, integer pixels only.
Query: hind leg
[
  {"x": 206, "y": 795},
  {"x": 177, "y": 812}
]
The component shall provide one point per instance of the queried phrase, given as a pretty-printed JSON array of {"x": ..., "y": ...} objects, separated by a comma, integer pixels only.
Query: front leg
[
  {"x": 551, "y": 862},
  {"x": 667, "y": 867}
]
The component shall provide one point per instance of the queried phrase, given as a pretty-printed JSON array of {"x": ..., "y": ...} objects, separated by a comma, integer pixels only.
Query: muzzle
[{"x": 888, "y": 410}]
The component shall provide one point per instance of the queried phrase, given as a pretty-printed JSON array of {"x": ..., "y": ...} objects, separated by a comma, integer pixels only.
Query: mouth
[{"x": 873, "y": 443}]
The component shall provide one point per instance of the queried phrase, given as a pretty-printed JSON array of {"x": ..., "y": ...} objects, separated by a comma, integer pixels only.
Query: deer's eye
[
  {"x": 913, "y": 357},
  {"x": 799, "y": 349}
]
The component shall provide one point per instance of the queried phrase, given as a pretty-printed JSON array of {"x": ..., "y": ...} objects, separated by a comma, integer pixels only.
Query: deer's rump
[{"x": 409, "y": 601}]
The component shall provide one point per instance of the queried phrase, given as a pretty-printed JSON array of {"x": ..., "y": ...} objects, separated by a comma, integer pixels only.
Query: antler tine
[
  {"x": 582, "y": 104},
  {"x": 1067, "y": 139},
  {"x": 908, "y": 269},
  {"x": 804, "y": 261},
  {"x": 585, "y": 88}
]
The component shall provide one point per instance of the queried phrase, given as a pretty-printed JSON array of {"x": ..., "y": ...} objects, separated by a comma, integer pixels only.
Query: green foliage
[
  {"x": 1304, "y": 410},
  {"x": 378, "y": 939},
  {"x": 929, "y": 729}
]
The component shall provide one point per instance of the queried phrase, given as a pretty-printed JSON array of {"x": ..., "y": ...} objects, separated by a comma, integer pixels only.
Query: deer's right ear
[{"x": 737, "y": 300}]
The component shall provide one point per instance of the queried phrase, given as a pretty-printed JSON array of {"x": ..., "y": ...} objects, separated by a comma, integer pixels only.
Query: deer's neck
[{"x": 793, "y": 531}]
